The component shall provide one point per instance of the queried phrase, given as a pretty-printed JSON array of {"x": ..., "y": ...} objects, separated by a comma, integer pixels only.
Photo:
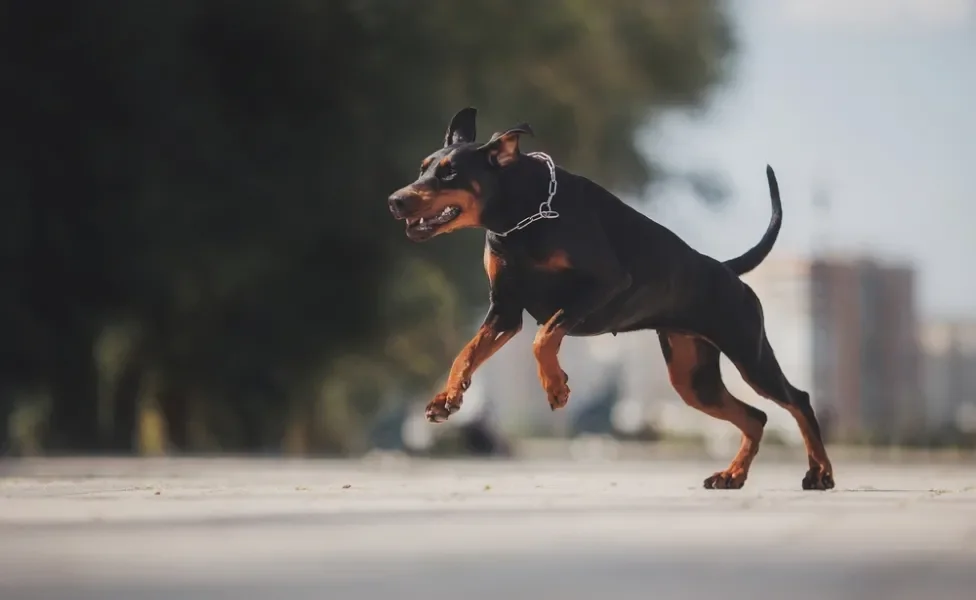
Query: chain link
[{"x": 545, "y": 209}]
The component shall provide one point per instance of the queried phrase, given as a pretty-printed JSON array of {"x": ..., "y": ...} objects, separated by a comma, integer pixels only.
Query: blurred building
[
  {"x": 846, "y": 330},
  {"x": 949, "y": 366}
]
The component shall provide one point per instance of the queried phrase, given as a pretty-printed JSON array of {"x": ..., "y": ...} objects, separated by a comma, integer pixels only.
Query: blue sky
[{"x": 872, "y": 101}]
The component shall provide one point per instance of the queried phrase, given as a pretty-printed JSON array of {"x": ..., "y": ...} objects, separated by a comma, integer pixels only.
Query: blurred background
[{"x": 197, "y": 256}]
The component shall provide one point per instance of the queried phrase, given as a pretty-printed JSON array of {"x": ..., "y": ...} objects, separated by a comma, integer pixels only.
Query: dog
[{"x": 582, "y": 262}]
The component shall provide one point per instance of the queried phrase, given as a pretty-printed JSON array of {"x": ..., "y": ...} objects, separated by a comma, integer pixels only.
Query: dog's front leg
[
  {"x": 498, "y": 328},
  {"x": 503, "y": 321},
  {"x": 550, "y": 336}
]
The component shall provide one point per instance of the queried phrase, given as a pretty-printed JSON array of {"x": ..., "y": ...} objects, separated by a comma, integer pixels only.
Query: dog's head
[{"x": 457, "y": 182}]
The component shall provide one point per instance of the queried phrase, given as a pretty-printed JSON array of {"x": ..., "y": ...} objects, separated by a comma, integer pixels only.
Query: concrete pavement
[{"x": 269, "y": 529}]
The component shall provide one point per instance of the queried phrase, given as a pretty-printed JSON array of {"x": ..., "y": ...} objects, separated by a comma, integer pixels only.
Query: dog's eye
[{"x": 447, "y": 173}]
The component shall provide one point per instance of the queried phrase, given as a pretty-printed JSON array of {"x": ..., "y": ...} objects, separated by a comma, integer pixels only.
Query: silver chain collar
[{"x": 545, "y": 209}]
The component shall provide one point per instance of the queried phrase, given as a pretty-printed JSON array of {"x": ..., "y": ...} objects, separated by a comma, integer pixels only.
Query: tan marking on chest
[
  {"x": 556, "y": 261},
  {"x": 493, "y": 264}
]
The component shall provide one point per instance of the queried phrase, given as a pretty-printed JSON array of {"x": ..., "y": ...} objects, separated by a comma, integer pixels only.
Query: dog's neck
[{"x": 522, "y": 187}]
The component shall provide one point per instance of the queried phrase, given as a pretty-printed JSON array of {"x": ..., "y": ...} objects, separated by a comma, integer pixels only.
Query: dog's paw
[
  {"x": 442, "y": 406},
  {"x": 731, "y": 479},
  {"x": 558, "y": 391},
  {"x": 818, "y": 478}
]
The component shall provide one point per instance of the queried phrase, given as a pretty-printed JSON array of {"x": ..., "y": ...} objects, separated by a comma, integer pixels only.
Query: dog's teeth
[{"x": 421, "y": 221}]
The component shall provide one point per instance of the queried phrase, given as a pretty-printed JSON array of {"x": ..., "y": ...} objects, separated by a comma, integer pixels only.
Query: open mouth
[{"x": 424, "y": 226}]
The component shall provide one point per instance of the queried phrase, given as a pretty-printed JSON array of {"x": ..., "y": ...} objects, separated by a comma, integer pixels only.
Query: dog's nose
[{"x": 397, "y": 204}]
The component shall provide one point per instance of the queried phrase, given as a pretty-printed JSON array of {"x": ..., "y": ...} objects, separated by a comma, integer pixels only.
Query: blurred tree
[{"x": 209, "y": 176}]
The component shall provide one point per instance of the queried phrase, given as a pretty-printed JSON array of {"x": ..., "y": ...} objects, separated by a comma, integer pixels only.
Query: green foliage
[{"x": 211, "y": 177}]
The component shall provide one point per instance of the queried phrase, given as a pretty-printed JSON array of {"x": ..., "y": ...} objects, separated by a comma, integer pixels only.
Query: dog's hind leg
[
  {"x": 753, "y": 356},
  {"x": 767, "y": 379},
  {"x": 694, "y": 370}
]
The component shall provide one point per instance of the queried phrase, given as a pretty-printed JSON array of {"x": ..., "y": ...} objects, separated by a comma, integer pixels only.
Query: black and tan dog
[{"x": 581, "y": 262}]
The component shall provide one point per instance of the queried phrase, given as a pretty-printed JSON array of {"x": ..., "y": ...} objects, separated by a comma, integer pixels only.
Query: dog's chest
[
  {"x": 548, "y": 283},
  {"x": 543, "y": 272}
]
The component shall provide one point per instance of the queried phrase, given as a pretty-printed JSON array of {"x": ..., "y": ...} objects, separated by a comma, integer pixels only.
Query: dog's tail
[{"x": 754, "y": 256}]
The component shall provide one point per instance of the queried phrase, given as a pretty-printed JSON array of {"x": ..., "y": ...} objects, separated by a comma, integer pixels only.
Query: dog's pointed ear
[
  {"x": 503, "y": 147},
  {"x": 462, "y": 128}
]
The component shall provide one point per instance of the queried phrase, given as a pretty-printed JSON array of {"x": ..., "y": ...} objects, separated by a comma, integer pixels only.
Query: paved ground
[{"x": 249, "y": 530}]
